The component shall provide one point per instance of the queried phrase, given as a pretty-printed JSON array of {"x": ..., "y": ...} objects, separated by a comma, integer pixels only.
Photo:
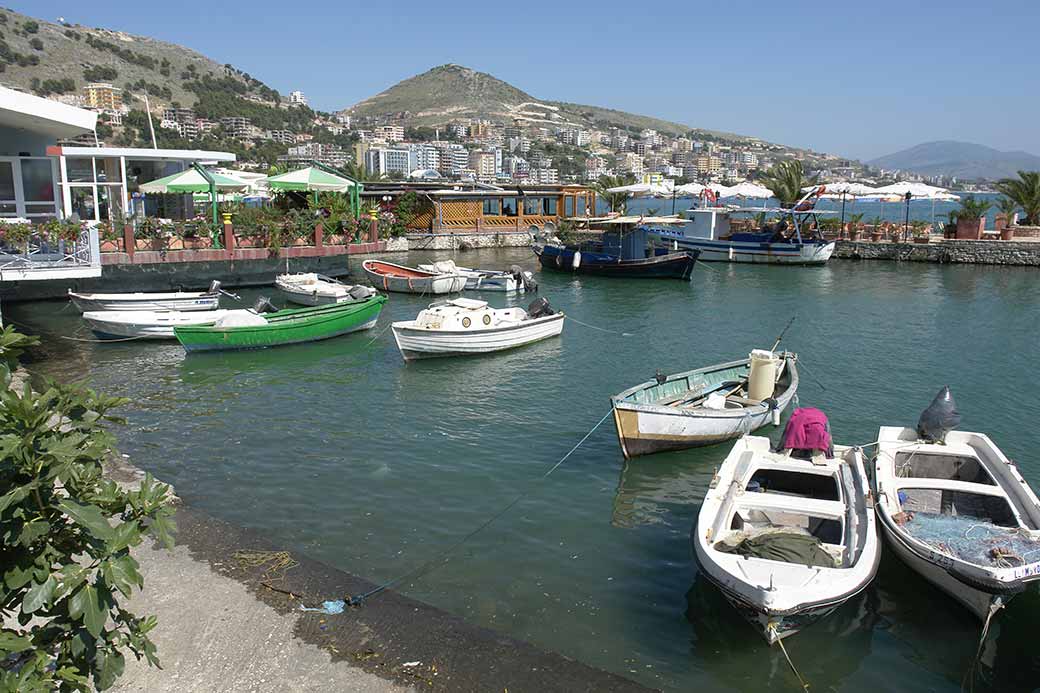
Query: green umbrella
[
  {"x": 191, "y": 181},
  {"x": 311, "y": 179}
]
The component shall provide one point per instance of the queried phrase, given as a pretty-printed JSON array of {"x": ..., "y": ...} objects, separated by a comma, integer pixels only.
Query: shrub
[
  {"x": 31, "y": 27},
  {"x": 36, "y": 44},
  {"x": 67, "y": 534}
]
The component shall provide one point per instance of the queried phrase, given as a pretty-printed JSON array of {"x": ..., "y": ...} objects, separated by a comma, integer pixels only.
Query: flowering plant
[{"x": 15, "y": 234}]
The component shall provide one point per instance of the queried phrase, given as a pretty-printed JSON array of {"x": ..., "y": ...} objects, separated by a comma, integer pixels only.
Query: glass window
[
  {"x": 37, "y": 180},
  {"x": 532, "y": 205},
  {"x": 509, "y": 206},
  {"x": 550, "y": 206},
  {"x": 6, "y": 180},
  {"x": 491, "y": 208},
  {"x": 79, "y": 169},
  {"x": 568, "y": 206},
  {"x": 110, "y": 203},
  {"x": 83, "y": 203},
  {"x": 108, "y": 170}
]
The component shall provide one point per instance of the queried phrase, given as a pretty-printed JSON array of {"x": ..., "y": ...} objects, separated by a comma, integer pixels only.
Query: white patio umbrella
[
  {"x": 691, "y": 189},
  {"x": 841, "y": 190},
  {"x": 645, "y": 189},
  {"x": 920, "y": 191},
  {"x": 749, "y": 189}
]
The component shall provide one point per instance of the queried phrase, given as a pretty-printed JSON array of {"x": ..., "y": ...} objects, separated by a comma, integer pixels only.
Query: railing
[{"x": 38, "y": 259}]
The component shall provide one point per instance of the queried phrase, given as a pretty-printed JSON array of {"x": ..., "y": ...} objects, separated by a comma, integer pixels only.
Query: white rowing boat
[
  {"x": 464, "y": 327},
  {"x": 786, "y": 536},
  {"x": 516, "y": 280},
  {"x": 310, "y": 289},
  {"x": 148, "y": 324},
  {"x": 173, "y": 300},
  {"x": 960, "y": 514},
  {"x": 705, "y": 406},
  {"x": 390, "y": 277}
]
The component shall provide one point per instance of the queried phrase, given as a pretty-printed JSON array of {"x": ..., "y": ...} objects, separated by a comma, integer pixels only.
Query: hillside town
[{"x": 477, "y": 150}]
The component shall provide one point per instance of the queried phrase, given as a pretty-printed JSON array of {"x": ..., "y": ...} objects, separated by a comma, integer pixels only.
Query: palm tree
[
  {"x": 786, "y": 179},
  {"x": 1007, "y": 207},
  {"x": 616, "y": 201},
  {"x": 1025, "y": 191}
]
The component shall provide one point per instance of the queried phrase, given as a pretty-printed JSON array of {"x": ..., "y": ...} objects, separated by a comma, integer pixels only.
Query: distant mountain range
[{"x": 961, "y": 159}]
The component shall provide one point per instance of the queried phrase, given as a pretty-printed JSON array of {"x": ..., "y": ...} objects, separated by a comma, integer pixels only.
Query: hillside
[
  {"x": 454, "y": 92},
  {"x": 961, "y": 159},
  {"x": 47, "y": 58}
]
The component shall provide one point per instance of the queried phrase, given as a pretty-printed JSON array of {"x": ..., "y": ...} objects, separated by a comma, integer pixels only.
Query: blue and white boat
[{"x": 787, "y": 242}]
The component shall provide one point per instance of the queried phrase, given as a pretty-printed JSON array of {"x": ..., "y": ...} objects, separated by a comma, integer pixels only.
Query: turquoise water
[{"x": 340, "y": 450}]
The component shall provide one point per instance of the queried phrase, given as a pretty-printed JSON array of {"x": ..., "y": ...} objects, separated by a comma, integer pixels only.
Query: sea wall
[
  {"x": 1021, "y": 253},
  {"x": 455, "y": 241}
]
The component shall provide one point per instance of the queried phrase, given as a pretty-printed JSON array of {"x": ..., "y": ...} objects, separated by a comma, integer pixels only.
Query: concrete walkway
[{"x": 215, "y": 635}]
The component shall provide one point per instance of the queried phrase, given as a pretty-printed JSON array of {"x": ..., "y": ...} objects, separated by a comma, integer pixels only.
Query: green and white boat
[{"x": 292, "y": 326}]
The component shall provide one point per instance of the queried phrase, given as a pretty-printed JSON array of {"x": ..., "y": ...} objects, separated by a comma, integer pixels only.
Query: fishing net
[
  {"x": 974, "y": 540},
  {"x": 786, "y": 544}
]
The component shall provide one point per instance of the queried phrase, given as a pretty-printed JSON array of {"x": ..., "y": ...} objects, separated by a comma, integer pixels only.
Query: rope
[
  {"x": 574, "y": 319},
  {"x": 100, "y": 341},
  {"x": 780, "y": 642},
  {"x": 707, "y": 265},
  {"x": 381, "y": 333},
  {"x": 430, "y": 565},
  {"x": 994, "y": 606}
]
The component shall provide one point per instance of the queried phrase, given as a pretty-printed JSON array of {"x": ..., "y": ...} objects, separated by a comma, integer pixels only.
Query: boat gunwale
[
  {"x": 409, "y": 325},
  {"x": 413, "y": 273},
  {"x": 282, "y": 322}
]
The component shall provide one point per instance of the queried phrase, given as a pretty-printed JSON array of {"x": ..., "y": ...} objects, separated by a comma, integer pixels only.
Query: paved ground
[{"x": 214, "y": 635}]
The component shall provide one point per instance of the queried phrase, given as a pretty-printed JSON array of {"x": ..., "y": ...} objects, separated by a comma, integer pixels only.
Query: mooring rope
[
  {"x": 780, "y": 642},
  {"x": 442, "y": 559},
  {"x": 381, "y": 333},
  {"x": 601, "y": 329}
]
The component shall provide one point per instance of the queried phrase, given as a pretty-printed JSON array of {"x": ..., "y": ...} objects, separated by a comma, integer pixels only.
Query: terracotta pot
[
  {"x": 1007, "y": 233},
  {"x": 175, "y": 243},
  {"x": 149, "y": 244},
  {"x": 875, "y": 236},
  {"x": 853, "y": 234},
  {"x": 110, "y": 246},
  {"x": 921, "y": 239},
  {"x": 970, "y": 229}
]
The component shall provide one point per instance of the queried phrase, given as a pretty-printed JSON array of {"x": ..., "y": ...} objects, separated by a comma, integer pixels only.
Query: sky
[{"x": 856, "y": 79}]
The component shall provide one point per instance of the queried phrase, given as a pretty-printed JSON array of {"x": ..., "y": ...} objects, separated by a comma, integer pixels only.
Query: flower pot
[
  {"x": 110, "y": 246},
  {"x": 970, "y": 229},
  {"x": 1007, "y": 233},
  {"x": 875, "y": 236},
  {"x": 853, "y": 234},
  {"x": 175, "y": 244},
  {"x": 921, "y": 239}
]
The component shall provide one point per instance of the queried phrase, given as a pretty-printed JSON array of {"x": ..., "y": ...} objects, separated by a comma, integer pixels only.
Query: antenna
[{"x": 151, "y": 128}]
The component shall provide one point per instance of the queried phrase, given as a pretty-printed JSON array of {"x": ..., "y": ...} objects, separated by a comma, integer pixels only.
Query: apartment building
[
  {"x": 482, "y": 162},
  {"x": 390, "y": 133},
  {"x": 102, "y": 96},
  {"x": 238, "y": 127}
]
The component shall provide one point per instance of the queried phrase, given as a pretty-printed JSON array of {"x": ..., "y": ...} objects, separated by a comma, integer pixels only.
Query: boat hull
[
  {"x": 293, "y": 326},
  {"x": 758, "y": 253},
  {"x": 310, "y": 298},
  {"x": 644, "y": 429},
  {"x": 418, "y": 343},
  {"x": 670, "y": 266},
  {"x": 146, "y": 302},
  {"x": 405, "y": 280},
  {"x": 108, "y": 324}
]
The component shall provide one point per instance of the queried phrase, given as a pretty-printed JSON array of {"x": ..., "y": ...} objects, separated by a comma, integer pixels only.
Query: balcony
[{"x": 38, "y": 259}]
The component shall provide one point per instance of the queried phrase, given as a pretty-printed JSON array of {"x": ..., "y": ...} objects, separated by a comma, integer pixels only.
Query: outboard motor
[
  {"x": 539, "y": 308},
  {"x": 263, "y": 305},
  {"x": 939, "y": 418},
  {"x": 359, "y": 292},
  {"x": 214, "y": 287},
  {"x": 523, "y": 278}
]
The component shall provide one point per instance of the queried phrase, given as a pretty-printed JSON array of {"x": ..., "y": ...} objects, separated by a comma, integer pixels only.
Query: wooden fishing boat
[
  {"x": 585, "y": 261},
  {"x": 463, "y": 327},
  {"x": 291, "y": 326},
  {"x": 147, "y": 324},
  {"x": 515, "y": 280},
  {"x": 310, "y": 289},
  {"x": 408, "y": 280},
  {"x": 704, "y": 406},
  {"x": 173, "y": 300},
  {"x": 960, "y": 514},
  {"x": 787, "y": 537}
]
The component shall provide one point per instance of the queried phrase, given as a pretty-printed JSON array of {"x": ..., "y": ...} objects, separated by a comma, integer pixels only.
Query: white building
[
  {"x": 545, "y": 176},
  {"x": 385, "y": 160},
  {"x": 296, "y": 98},
  {"x": 390, "y": 133}
]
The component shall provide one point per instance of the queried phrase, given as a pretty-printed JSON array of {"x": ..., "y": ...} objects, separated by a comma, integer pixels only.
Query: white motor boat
[
  {"x": 148, "y": 324},
  {"x": 516, "y": 280},
  {"x": 172, "y": 301},
  {"x": 463, "y": 326},
  {"x": 310, "y": 289},
  {"x": 960, "y": 514},
  {"x": 788, "y": 536}
]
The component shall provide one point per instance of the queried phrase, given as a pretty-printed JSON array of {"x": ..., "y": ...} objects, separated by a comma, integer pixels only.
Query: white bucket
[{"x": 762, "y": 378}]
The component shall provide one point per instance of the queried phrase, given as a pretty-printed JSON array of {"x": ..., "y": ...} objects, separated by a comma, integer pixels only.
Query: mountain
[
  {"x": 453, "y": 92},
  {"x": 46, "y": 58},
  {"x": 961, "y": 159}
]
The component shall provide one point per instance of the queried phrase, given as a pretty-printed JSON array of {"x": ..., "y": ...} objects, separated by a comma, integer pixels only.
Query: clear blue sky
[{"x": 861, "y": 79}]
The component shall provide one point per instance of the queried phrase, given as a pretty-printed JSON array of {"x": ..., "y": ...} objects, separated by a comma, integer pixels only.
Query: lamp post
[{"x": 906, "y": 219}]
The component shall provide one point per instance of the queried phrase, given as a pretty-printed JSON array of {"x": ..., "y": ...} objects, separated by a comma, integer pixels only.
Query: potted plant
[
  {"x": 971, "y": 218},
  {"x": 16, "y": 235},
  {"x": 152, "y": 234},
  {"x": 853, "y": 226},
  {"x": 920, "y": 230},
  {"x": 875, "y": 229},
  {"x": 1005, "y": 221}
]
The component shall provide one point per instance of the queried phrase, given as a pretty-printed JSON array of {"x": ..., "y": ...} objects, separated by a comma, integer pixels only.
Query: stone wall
[
  {"x": 453, "y": 241},
  {"x": 1026, "y": 253}
]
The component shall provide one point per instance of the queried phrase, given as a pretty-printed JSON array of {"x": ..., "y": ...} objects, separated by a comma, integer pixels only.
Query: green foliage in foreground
[
  {"x": 786, "y": 180},
  {"x": 67, "y": 534},
  {"x": 1025, "y": 191}
]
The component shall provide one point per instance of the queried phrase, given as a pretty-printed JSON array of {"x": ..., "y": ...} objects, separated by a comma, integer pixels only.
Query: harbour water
[{"x": 340, "y": 450}]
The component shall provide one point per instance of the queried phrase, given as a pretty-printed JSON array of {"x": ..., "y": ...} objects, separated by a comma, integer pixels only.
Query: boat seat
[
  {"x": 744, "y": 401},
  {"x": 669, "y": 400}
]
